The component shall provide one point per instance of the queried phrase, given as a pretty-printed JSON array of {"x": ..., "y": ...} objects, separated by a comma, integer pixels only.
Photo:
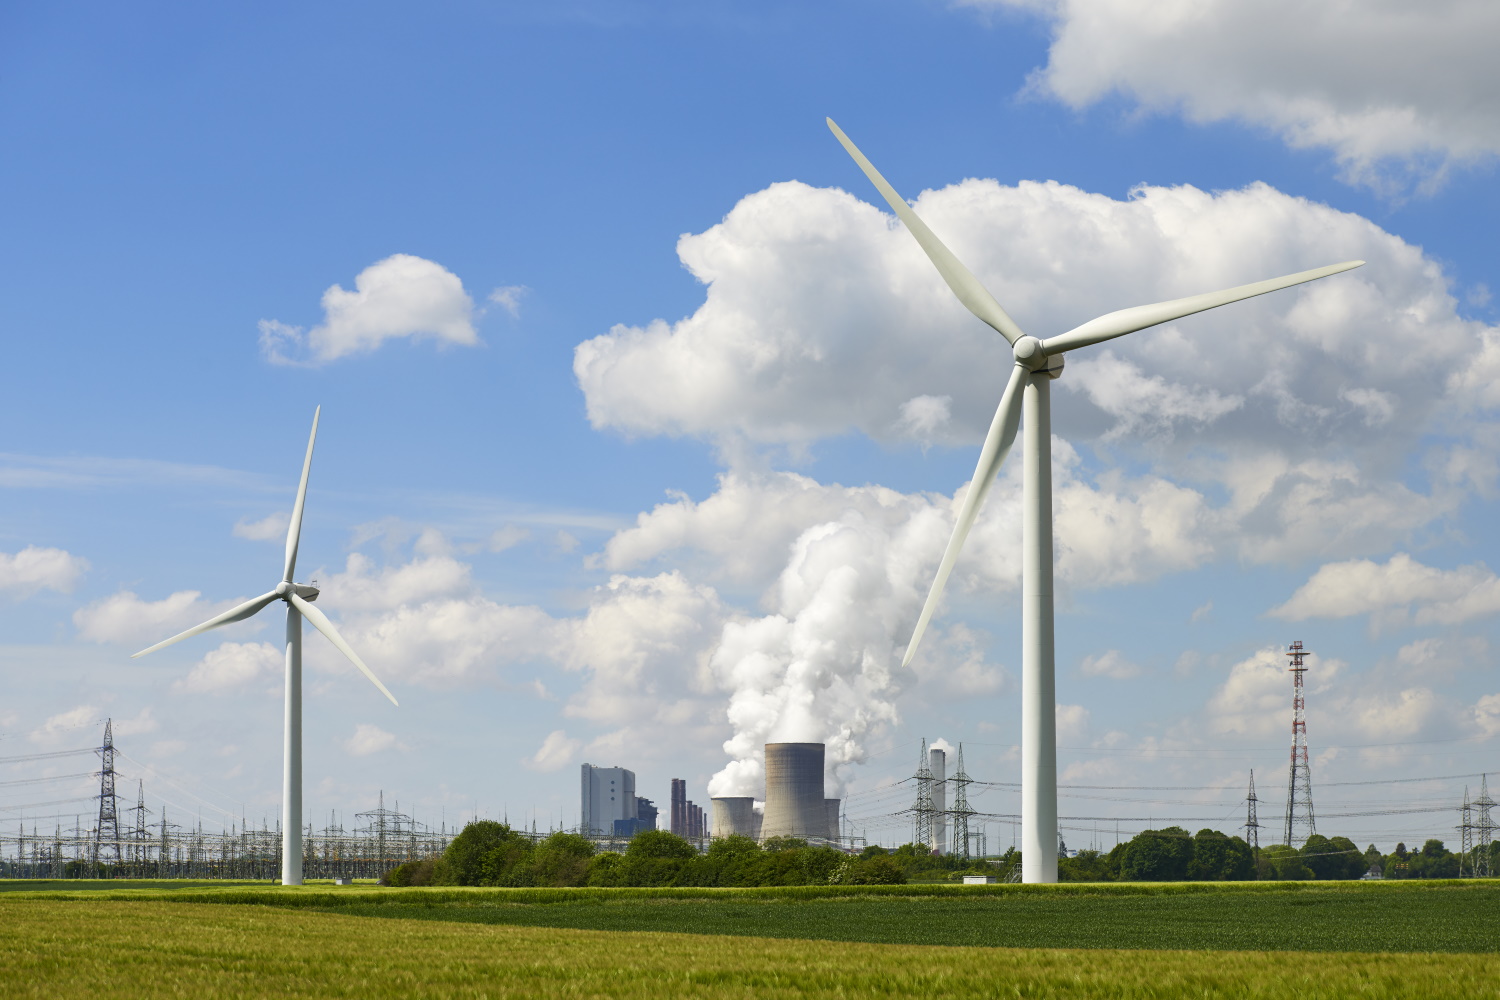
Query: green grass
[
  {"x": 1415, "y": 916},
  {"x": 1440, "y": 920},
  {"x": 100, "y": 944}
]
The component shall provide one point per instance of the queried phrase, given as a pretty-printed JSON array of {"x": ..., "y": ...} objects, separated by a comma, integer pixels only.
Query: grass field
[
  {"x": 68, "y": 948},
  {"x": 175, "y": 939}
]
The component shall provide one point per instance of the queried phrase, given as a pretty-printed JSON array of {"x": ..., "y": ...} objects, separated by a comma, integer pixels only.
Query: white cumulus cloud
[
  {"x": 233, "y": 665},
  {"x": 272, "y": 527},
  {"x": 820, "y": 317},
  {"x": 1110, "y": 663},
  {"x": 368, "y": 739},
  {"x": 554, "y": 753},
  {"x": 1397, "y": 92},
  {"x": 400, "y": 296},
  {"x": 35, "y": 568},
  {"x": 124, "y": 617},
  {"x": 1398, "y": 591}
]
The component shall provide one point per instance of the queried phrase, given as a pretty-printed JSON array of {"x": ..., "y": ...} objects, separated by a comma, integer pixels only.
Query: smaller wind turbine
[
  {"x": 298, "y": 598},
  {"x": 1028, "y": 390}
]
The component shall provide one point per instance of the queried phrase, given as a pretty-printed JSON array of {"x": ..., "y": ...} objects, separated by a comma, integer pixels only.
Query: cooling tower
[
  {"x": 794, "y": 792},
  {"x": 734, "y": 817},
  {"x": 832, "y": 807}
]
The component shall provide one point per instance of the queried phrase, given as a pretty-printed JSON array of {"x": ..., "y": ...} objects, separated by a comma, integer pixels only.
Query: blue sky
[{"x": 616, "y": 498}]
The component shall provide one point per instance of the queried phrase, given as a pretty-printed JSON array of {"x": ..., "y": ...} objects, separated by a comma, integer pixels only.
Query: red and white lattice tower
[{"x": 1299, "y": 805}]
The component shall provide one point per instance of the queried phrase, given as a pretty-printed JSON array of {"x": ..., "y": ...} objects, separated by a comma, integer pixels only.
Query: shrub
[
  {"x": 561, "y": 859},
  {"x": 606, "y": 869},
  {"x": 411, "y": 873},
  {"x": 1158, "y": 855}
]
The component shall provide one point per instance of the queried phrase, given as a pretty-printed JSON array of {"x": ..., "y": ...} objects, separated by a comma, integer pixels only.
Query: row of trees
[
  {"x": 1172, "y": 854},
  {"x": 490, "y": 853}
]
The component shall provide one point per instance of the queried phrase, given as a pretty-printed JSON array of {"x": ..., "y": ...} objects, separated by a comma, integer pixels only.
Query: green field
[{"x": 184, "y": 939}]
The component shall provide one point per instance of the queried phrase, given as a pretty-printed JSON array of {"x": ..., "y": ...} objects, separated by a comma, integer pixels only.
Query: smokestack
[
  {"x": 794, "y": 792},
  {"x": 937, "y": 763},
  {"x": 734, "y": 816},
  {"x": 832, "y": 807}
]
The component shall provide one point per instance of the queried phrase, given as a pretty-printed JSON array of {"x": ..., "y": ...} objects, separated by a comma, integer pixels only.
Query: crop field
[{"x": 252, "y": 940}]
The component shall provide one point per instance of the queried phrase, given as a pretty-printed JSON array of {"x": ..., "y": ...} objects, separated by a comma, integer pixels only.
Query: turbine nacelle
[
  {"x": 306, "y": 591},
  {"x": 1031, "y": 354}
]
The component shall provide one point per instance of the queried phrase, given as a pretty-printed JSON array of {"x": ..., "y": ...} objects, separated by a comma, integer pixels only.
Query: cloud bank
[{"x": 1398, "y": 93}]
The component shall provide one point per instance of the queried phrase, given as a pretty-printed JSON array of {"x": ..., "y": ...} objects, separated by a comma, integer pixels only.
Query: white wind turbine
[
  {"x": 1037, "y": 363},
  {"x": 298, "y": 598}
]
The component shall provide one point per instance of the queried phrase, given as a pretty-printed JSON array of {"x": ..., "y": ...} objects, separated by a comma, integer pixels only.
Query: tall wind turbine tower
[
  {"x": 1028, "y": 391},
  {"x": 298, "y": 598}
]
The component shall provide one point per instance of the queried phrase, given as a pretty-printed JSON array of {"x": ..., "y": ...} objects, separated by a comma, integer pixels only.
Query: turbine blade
[
  {"x": 294, "y": 530},
  {"x": 975, "y": 297},
  {"x": 235, "y": 614},
  {"x": 322, "y": 624},
  {"x": 997, "y": 444},
  {"x": 1123, "y": 321}
]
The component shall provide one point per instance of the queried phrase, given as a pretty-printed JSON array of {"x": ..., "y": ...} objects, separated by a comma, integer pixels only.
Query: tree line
[
  {"x": 1172, "y": 854},
  {"x": 492, "y": 854}
]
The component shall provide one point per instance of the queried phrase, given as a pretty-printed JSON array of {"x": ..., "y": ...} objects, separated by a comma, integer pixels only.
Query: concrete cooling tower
[
  {"x": 795, "y": 806},
  {"x": 734, "y": 816},
  {"x": 832, "y": 806}
]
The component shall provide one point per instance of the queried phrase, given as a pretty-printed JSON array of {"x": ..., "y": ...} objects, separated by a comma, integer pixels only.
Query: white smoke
[{"x": 824, "y": 667}]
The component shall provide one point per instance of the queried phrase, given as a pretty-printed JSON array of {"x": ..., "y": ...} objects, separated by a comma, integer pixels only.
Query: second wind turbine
[
  {"x": 1028, "y": 391},
  {"x": 298, "y": 598}
]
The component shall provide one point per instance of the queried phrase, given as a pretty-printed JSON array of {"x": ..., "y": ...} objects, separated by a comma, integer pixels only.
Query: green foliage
[
  {"x": 1335, "y": 858},
  {"x": 562, "y": 859},
  {"x": 411, "y": 873},
  {"x": 464, "y": 860},
  {"x": 658, "y": 844},
  {"x": 1158, "y": 856},
  {"x": 1086, "y": 866},
  {"x": 605, "y": 870}
]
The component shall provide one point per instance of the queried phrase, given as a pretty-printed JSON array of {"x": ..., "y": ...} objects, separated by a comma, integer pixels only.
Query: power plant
[
  {"x": 795, "y": 804},
  {"x": 735, "y": 816}
]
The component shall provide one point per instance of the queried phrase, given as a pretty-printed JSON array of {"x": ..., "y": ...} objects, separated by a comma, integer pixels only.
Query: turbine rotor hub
[{"x": 1030, "y": 355}]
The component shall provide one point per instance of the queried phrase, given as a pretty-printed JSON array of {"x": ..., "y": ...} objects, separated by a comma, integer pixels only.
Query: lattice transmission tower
[
  {"x": 923, "y": 810},
  {"x": 1252, "y": 824},
  {"x": 961, "y": 810},
  {"x": 1466, "y": 859},
  {"x": 1299, "y": 804},
  {"x": 107, "y": 833},
  {"x": 1484, "y": 829},
  {"x": 140, "y": 836}
]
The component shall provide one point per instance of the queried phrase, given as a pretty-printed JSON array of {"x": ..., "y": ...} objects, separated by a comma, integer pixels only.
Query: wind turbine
[
  {"x": 298, "y": 598},
  {"x": 1037, "y": 363}
]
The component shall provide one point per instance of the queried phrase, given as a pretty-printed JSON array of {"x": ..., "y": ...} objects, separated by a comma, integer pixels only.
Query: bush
[
  {"x": 606, "y": 870},
  {"x": 1158, "y": 855},
  {"x": 411, "y": 873},
  {"x": 562, "y": 859},
  {"x": 875, "y": 871},
  {"x": 464, "y": 861}
]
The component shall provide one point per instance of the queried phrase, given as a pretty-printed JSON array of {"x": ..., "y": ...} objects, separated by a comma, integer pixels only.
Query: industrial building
[
  {"x": 687, "y": 817},
  {"x": 610, "y": 806}
]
